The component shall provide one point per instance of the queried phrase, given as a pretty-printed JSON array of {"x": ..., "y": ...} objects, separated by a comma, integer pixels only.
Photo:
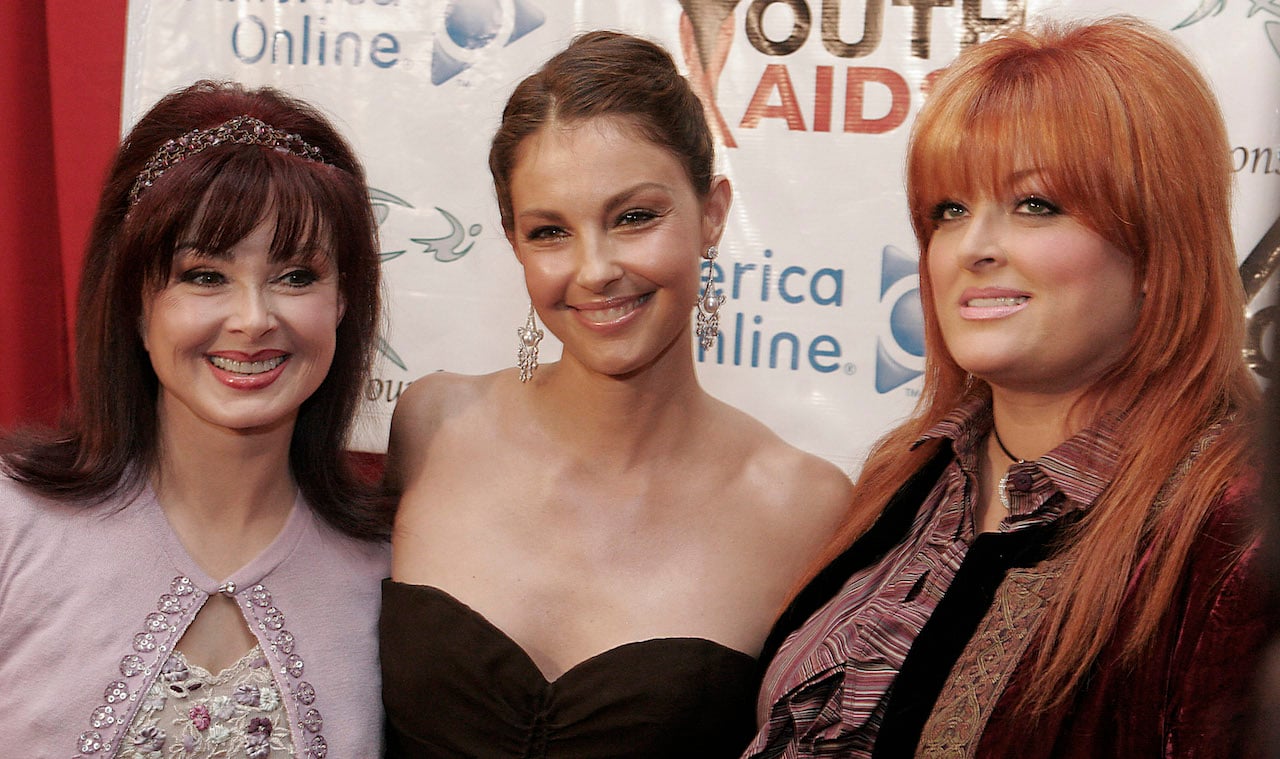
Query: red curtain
[{"x": 60, "y": 91}]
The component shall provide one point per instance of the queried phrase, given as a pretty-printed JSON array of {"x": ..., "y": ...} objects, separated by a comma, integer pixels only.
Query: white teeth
[
  {"x": 997, "y": 302},
  {"x": 246, "y": 367},
  {"x": 606, "y": 315}
]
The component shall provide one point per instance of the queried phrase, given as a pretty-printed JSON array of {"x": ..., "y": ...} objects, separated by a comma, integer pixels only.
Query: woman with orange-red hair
[{"x": 1053, "y": 556}]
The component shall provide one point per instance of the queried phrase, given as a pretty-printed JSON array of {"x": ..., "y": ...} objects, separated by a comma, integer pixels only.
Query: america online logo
[
  {"x": 471, "y": 26},
  {"x": 902, "y": 359}
]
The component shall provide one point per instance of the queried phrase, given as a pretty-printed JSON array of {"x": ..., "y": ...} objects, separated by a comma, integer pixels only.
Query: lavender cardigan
[{"x": 93, "y": 599}]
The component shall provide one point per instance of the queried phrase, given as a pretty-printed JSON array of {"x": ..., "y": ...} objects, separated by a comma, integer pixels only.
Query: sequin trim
[
  {"x": 150, "y": 646},
  {"x": 289, "y": 663}
]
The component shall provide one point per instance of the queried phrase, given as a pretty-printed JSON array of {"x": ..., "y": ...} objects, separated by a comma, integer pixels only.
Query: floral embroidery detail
[
  {"x": 188, "y": 712},
  {"x": 257, "y": 743},
  {"x": 223, "y": 707},
  {"x": 175, "y": 669},
  {"x": 199, "y": 715},
  {"x": 149, "y": 739},
  {"x": 268, "y": 699},
  {"x": 247, "y": 695},
  {"x": 982, "y": 671},
  {"x": 155, "y": 698},
  {"x": 219, "y": 734}
]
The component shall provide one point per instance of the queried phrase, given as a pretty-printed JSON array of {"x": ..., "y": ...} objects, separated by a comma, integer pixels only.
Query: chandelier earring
[
  {"x": 527, "y": 353},
  {"x": 709, "y": 302}
]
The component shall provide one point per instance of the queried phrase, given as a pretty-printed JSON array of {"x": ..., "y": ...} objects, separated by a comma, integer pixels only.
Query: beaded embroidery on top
[
  {"x": 242, "y": 130},
  {"x": 152, "y": 661},
  {"x": 190, "y": 712}
]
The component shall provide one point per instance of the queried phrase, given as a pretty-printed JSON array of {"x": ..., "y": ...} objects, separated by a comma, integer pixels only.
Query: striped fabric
[{"x": 824, "y": 694}]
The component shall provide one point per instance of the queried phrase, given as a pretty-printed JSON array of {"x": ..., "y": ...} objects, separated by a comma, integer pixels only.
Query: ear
[{"x": 715, "y": 209}]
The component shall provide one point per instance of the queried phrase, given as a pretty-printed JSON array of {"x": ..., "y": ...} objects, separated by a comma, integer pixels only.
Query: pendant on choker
[{"x": 1002, "y": 489}]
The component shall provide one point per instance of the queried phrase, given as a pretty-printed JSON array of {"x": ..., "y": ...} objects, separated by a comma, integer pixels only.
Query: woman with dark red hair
[{"x": 189, "y": 566}]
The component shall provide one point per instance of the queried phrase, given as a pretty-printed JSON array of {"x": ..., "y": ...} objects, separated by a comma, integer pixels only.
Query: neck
[
  {"x": 222, "y": 480},
  {"x": 1031, "y": 425},
  {"x": 642, "y": 417}
]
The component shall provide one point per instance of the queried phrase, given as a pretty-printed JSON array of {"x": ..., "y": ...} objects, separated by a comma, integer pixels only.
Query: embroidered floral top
[
  {"x": 191, "y": 713},
  {"x": 828, "y": 684},
  {"x": 93, "y": 600}
]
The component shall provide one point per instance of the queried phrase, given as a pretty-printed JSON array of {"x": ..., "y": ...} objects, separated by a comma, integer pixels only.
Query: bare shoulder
[
  {"x": 798, "y": 492},
  {"x": 427, "y": 408}
]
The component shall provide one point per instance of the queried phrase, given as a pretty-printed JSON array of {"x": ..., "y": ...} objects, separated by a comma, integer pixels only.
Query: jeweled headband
[{"x": 243, "y": 130}]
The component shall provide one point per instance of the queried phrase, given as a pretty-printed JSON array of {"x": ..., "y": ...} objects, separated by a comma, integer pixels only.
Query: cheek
[
  {"x": 316, "y": 320},
  {"x": 544, "y": 277},
  {"x": 1101, "y": 278},
  {"x": 935, "y": 277}
]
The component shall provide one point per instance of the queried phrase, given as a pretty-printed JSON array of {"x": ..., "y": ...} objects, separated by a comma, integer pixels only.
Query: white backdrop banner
[{"x": 812, "y": 99}]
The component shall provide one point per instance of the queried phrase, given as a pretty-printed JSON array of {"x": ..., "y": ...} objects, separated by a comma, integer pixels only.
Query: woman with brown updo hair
[
  {"x": 1054, "y": 555},
  {"x": 589, "y": 554}
]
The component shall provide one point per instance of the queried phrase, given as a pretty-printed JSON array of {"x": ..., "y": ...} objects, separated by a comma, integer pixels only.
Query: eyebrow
[{"x": 617, "y": 199}]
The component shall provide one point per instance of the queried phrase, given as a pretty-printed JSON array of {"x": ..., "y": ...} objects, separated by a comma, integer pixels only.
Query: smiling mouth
[
  {"x": 247, "y": 367},
  {"x": 615, "y": 312},
  {"x": 997, "y": 302}
]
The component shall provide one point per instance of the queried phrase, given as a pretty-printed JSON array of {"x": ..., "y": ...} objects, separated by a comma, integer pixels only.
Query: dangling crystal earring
[
  {"x": 709, "y": 306},
  {"x": 527, "y": 354}
]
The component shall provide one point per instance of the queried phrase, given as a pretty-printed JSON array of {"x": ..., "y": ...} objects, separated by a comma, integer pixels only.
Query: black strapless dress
[{"x": 454, "y": 685}]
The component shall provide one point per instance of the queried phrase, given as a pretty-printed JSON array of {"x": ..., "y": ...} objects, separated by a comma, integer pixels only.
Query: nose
[
  {"x": 598, "y": 263},
  {"x": 252, "y": 312},
  {"x": 981, "y": 243}
]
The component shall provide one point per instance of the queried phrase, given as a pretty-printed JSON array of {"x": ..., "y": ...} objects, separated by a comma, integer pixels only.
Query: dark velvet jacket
[{"x": 1189, "y": 695}]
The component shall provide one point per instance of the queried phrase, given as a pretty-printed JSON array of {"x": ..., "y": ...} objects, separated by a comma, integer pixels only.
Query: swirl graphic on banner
[
  {"x": 1209, "y": 8},
  {"x": 443, "y": 248}
]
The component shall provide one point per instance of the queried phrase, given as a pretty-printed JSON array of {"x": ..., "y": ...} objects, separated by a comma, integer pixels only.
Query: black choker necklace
[{"x": 1002, "y": 489}]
